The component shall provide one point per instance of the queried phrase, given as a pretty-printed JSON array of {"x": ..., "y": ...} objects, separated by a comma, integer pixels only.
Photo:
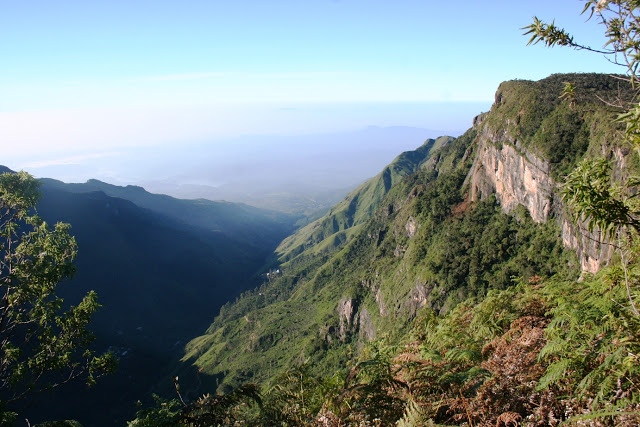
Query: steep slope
[
  {"x": 412, "y": 253},
  {"x": 531, "y": 139},
  {"x": 161, "y": 276},
  {"x": 359, "y": 206},
  {"x": 462, "y": 223}
]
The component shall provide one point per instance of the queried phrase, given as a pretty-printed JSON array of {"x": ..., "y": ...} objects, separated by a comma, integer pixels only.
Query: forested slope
[
  {"x": 447, "y": 229},
  {"x": 162, "y": 268}
]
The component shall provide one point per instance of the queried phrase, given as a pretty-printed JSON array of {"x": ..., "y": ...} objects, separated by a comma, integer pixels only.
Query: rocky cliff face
[
  {"x": 504, "y": 166},
  {"x": 517, "y": 177}
]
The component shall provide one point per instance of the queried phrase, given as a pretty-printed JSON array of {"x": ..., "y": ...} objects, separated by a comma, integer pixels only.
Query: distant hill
[
  {"x": 256, "y": 227},
  {"x": 162, "y": 268}
]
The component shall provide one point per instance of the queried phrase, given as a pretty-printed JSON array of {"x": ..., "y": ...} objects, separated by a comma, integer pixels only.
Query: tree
[
  {"x": 42, "y": 346},
  {"x": 606, "y": 366},
  {"x": 590, "y": 191},
  {"x": 217, "y": 410}
]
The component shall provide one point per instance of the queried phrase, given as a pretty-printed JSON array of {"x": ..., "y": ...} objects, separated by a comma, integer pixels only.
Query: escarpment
[
  {"x": 519, "y": 177},
  {"x": 455, "y": 219},
  {"x": 516, "y": 176},
  {"x": 512, "y": 164}
]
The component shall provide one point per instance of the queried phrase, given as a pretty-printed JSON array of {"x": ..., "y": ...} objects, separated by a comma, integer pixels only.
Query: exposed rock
[
  {"x": 519, "y": 177},
  {"x": 399, "y": 251},
  {"x": 591, "y": 252},
  {"x": 515, "y": 176},
  {"x": 418, "y": 298},
  {"x": 411, "y": 227},
  {"x": 366, "y": 330},
  {"x": 352, "y": 320},
  {"x": 477, "y": 120},
  {"x": 382, "y": 307},
  {"x": 372, "y": 285},
  {"x": 346, "y": 310}
]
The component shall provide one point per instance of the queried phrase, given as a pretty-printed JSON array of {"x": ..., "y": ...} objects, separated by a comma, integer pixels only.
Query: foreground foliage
[
  {"x": 541, "y": 352},
  {"x": 42, "y": 346}
]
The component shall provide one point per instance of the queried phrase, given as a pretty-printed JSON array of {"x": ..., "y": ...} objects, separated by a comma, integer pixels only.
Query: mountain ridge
[
  {"x": 160, "y": 275},
  {"x": 249, "y": 223},
  {"x": 358, "y": 206},
  {"x": 453, "y": 229}
]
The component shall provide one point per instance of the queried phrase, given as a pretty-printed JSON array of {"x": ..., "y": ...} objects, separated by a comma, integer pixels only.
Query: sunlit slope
[
  {"x": 320, "y": 306},
  {"x": 342, "y": 220},
  {"x": 415, "y": 237}
]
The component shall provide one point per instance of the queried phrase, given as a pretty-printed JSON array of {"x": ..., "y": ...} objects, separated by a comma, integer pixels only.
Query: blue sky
[{"x": 80, "y": 78}]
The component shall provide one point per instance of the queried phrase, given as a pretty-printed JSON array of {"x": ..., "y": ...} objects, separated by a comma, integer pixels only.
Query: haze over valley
[{"x": 319, "y": 213}]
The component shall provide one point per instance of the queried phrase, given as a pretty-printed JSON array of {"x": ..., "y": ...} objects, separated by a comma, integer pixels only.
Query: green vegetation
[
  {"x": 338, "y": 224},
  {"x": 540, "y": 352},
  {"x": 42, "y": 346},
  {"x": 533, "y": 116},
  {"x": 426, "y": 245}
]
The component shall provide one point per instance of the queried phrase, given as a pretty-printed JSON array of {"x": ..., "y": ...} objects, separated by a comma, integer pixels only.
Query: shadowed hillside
[{"x": 162, "y": 268}]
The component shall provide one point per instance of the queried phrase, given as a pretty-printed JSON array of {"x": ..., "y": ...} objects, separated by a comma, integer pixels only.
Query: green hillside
[
  {"x": 560, "y": 132},
  {"x": 407, "y": 241},
  {"x": 162, "y": 268},
  {"x": 415, "y": 251},
  {"x": 341, "y": 222}
]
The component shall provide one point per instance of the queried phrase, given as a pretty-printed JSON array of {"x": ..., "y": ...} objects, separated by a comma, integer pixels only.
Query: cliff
[
  {"x": 458, "y": 219},
  {"x": 513, "y": 165}
]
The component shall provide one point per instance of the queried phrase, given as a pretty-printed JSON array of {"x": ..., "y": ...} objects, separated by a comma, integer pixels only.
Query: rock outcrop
[
  {"x": 517, "y": 177},
  {"x": 346, "y": 310}
]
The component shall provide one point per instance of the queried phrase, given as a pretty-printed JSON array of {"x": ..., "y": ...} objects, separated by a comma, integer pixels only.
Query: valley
[
  {"x": 162, "y": 268},
  {"x": 320, "y": 214},
  {"x": 387, "y": 274}
]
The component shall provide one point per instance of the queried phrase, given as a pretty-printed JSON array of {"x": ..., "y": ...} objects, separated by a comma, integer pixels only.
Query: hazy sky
[{"x": 91, "y": 78}]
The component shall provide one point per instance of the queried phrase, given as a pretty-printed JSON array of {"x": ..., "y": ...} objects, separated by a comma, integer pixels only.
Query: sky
[{"x": 87, "y": 80}]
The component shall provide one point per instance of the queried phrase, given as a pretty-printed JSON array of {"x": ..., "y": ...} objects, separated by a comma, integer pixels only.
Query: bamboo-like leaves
[
  {"x": 602, "y": 204},
  {"x": 549, "y": 34}
]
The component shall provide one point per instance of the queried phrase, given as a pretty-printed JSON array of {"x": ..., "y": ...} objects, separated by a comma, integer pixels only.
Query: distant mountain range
[
  {"x": 299, "y": 174},
  {"x": 240, "y": 222}
]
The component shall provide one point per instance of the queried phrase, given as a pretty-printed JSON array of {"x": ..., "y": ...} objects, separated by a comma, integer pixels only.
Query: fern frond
[
  {"x": 550, "y": 349},
  {"x": 595, "y": 415},
  {"x": 555, "y": 372},
  {"x": 414, "y": 416},
  {"x": 462, "y": 355}
]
